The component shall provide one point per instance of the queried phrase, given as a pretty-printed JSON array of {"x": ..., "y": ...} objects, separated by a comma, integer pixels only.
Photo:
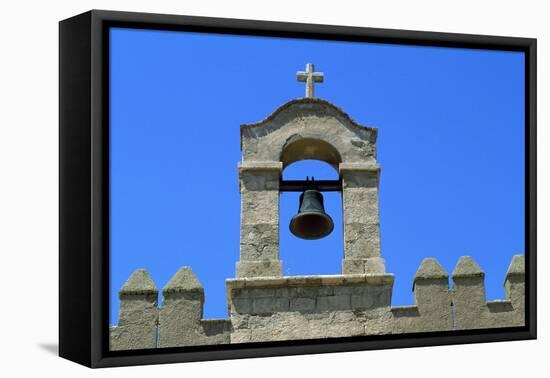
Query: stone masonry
[
  {"x": 263, "y": 305},
  {"x": 312, "y": 307},
  {"x": 308, "y": 128}
]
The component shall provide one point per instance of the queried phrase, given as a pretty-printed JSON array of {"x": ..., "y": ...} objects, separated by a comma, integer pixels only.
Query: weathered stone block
[
  {"x": 360, "y": 175},
  {"x": 302, "y": 304},
  {"x": 359, "y": 289},
  {"x": 241, "y": 305},
  {"x": 259, "y": 242},
  {"x": 360, "y": 205},
  {"x": 334, "y": 303},
  {"x": 262, "y": 293},
  {"x": 269, "y": 305},
  {"x": 364, "y": 266},
  {"x": 362, "y": 301},
  {"x": 239, "y": 293},
  {"x": 369, "y": 297},
  {"x": 375, "y": 265},
  {"x": 361, "y": 240},
  {"x": 282, "y": 292},
  {"x": 311, "y": 291},
  {"x": 343, "y": 290},
  {"x": 272, "y": 268},
  {"x": 215, "y": 331},
  {"x": 355, "y": 266},
  {"x": 259, "y": 176},
  {"x": 260, "y": 207}
]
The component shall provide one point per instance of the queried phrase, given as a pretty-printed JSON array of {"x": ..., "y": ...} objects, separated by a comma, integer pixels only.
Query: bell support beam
[{"x": 303, "y": 185}]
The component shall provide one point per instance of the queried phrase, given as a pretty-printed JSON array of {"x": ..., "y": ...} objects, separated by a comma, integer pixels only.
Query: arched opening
[
  {"x": 298, "y": 149},
  {"x": 307, "y": 257}
]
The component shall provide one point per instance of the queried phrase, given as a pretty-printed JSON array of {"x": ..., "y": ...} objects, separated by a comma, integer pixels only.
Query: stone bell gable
[{"x": 308, "y": 128}]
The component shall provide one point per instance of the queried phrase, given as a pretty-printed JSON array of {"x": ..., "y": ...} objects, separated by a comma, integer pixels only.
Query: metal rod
[{"x": 301, "y": 185}]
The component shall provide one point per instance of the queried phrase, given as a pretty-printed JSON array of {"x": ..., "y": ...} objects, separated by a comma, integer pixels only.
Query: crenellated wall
[
  {"x": 178, "y": 322},
  {"x": 305, "y": 307},
  {"x": 463, "y": 305}
]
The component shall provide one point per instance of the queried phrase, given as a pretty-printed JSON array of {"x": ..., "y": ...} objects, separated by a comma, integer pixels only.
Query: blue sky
[{"x": 450, "y": 143}]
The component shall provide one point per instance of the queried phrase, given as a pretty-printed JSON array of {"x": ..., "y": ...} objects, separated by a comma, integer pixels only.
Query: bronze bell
[{"x": 311, "y": 222}]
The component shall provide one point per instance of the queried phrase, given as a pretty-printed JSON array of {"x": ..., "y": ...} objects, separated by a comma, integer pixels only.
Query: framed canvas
[{"x": 235, "y": 188}]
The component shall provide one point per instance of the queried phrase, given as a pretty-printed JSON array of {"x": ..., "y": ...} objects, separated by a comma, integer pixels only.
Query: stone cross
[{"x": 310, "y": 77}]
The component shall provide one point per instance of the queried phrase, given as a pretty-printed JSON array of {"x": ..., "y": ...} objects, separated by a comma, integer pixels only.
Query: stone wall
[
  {"x": 287, "y": 308},
  {"x": 309, "y": 307},
  {"x": 178, "y": 322}
]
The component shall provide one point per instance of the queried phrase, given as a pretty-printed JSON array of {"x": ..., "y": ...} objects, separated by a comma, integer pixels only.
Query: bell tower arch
[{"x": 308, "y": 128}]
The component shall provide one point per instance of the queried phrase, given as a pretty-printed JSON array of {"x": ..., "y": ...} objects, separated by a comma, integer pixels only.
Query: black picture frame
[{"x": 84, "y": 187}]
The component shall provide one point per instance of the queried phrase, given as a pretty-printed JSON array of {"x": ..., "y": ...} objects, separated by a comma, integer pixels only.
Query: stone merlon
[
  {"x": 517, "y": 266},
  {"x": 467, "y": 267},
  {"x": 139, "y": 283},
  {"x": 430, "y": 269},
  {"x": 183, "y": 280}
]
